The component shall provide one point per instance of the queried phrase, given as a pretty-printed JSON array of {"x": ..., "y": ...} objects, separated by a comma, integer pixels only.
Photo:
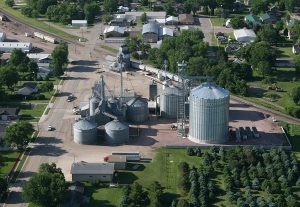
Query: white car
[{"x": 50, "y": 128}]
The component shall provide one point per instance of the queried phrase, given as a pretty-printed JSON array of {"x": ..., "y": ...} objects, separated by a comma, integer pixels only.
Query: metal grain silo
[
  {"x": 137, "y": 110},
  {"x": 168, "y": 102},
  {"x": 94, "y": 102},
  {"x": 116, "y": 132},
  {"x": 209, "y": 114},
  {"x": 85, "y": 132}
]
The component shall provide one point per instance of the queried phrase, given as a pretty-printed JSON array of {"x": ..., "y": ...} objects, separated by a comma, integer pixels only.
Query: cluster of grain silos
[
  {"x": 137, "y": 110},
  {"x": 209, "y": 114}
]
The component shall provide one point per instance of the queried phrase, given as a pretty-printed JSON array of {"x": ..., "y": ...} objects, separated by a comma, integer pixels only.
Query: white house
[
  {"x": 79, "y": 23},
  {"x": 244, "y": 35},
  {"x": 40, "y": 57},
  {"x": 10, "y": 46},
  {"x": 83, "y": 172},
  {"x": 166, "y": 32},
  {"x": 171, "y": 20},
  {"x": 114, "y": 31},
  {"x": 123, "y": 9},
  {"x": 2, "y": 36}
]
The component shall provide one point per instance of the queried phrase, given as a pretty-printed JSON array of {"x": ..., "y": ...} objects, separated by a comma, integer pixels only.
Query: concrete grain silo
[
  {"x": 209, "y": 114},
  {"x": 168, "y": 102},
  {"x": 137, "y": 110},
  {"x": 85, "y": 132},
  {"x": 94, "y": 102},
  {"x": 116, "y": 132}
]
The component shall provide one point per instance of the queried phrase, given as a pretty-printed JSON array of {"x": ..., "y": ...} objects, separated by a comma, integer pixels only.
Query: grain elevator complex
[{"x": 201, "y": 111}]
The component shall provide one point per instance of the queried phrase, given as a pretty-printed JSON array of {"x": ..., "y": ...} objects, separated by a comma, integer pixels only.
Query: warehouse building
[
  {"x": 10, "y": 46},
  {"x": 244, "y": 35},
  {"x": 93, "y": 172}
]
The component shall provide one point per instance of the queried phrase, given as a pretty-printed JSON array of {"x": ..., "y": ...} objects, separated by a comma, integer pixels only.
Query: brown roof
[
  {"x": 116, "y": 158},
  {"x": 186, "y": 18}
]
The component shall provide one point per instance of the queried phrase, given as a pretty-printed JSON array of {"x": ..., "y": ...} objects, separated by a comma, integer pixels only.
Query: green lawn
[
  {"x": 33, "y": 114},
  {"x": 7, "y": 161},
  {"x": 217, "y": 21},
  {"x": 285, "y": 51},
  {"x": 35, "y": 22},
  {"x": 285, "y": 79}
]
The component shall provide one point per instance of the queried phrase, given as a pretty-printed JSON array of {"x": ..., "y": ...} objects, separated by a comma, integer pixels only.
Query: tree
[
  {"x": 156, "y": 193},
  {"x": 3, "y": 186},
  {"x": 144, "y": 18},
  {"x": 90, "y": 11},
  {"x": 268, "y": 33},
  {"x": 295, "y": 93},
  {"x": 258, "y": 6},
  {"x": 138, "y": 196},
  {"x": 46, "y": 86},
  {"x": 237, "y": 22},
  {"x": 182, "y": 203},
  {"x": 291, "y": 201},
  {"x": 18, "y": 134},
  {"x": 297, "y": 63},
  {"x": 110, "y": 6},
  {"x": 60, "y": 57},
  {"x": 47, "y": 188},
  {"x": 10, "y": 3},
  {"x": 18, "y": 57},
  {"x": 264, "y": 68},
  {"x": 33, "y": 68},
  {"x": 8, "y": 76}
]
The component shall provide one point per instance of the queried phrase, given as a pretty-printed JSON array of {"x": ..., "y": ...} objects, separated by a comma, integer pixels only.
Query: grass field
[
  {"x": 35, "y": 22},
  {"x": 285, "y": 79},
  {"x": 7, "y": 161},
  {"x": 33, "y": 114},
  {"x": 217, "y": 22}
]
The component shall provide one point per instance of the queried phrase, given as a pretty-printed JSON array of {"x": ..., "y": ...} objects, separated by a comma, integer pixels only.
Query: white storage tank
[
  {"x": 137, "y": 110},
  {"x": 209, "y": 114},
  {"x": 94, "y": 103},
  {"x": 168, "y": 102},
  {"x": 116, "y": 132},
  {"x": 85, "y": 132}
]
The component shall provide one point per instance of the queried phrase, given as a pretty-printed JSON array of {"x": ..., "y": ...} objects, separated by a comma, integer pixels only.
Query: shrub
[{"x": 293, "y": 111}]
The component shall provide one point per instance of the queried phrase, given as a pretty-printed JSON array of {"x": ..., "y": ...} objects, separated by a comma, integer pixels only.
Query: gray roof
[
  {"x": 170, "y": 90},
  {"x": 85, "y": 125},
  {"x": 116, "y": 125},
  {"x": 151, "y": 27},
  {"x": 9, "y": 111},
  {"x": 209, "y": 91},
  {"x": 92, "y": 168}
]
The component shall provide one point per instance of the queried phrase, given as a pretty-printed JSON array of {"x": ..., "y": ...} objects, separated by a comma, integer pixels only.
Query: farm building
[
  {"x": 244, "y": 35},
  {"x": 114, "y": 31},
  {"x": 150, "y": 32},
  {"x": 79, "y": 23},
  {"x": 118, "y": 160},
  {"x": 83, "y": 172},
  {"x": 2, "y": 36},
  {"x": 186, "y": 19},
  {"x": 40, "y": 58},
  {"x": 10, "y": 46}
]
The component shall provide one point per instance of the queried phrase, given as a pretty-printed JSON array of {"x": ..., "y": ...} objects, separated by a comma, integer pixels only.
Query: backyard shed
[
  {"x": 79, "y": 23},
  {"x": 93, "y": 172}
]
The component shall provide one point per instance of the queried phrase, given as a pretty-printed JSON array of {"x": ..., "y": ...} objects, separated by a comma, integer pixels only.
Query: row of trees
[
  {"x": 274, "y": 172},
  {"x": 136, "y": 195},
  {"x": 62, "y": 11}
]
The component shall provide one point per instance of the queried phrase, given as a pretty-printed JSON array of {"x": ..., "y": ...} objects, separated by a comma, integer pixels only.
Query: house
[
  {"x": 150, "y": 32},
  {"x": 27, "y": 89},
  {"x": 253, "y": 19},
  {"x": 121, "y": 21},
  {"x": 114, "y": 31},
  {"x": 10, "y": 46},
  {"x": 40, "y": 58},
  {"x": 9, "y": 114},
  {"x": 79, "y": 23},
  {"x": 267, "y": 18},
  {"x": 244, "y": 35},
  {"x": 171, "y": 20},
  {"x": 93, "y": 172},
  {"x": 44, "y": 70},
  {"x": 186, "y": 19},
  {"x": 150, "y": 15},
  {"x": 118, "y": 160},
  {"x": 296, "y": 49},
  {"x": 165, "y": 32},
  {"x": 2, "y": 36},
  {"x": 275, "y": 11},
  {"x": 238, "y": 6}
]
